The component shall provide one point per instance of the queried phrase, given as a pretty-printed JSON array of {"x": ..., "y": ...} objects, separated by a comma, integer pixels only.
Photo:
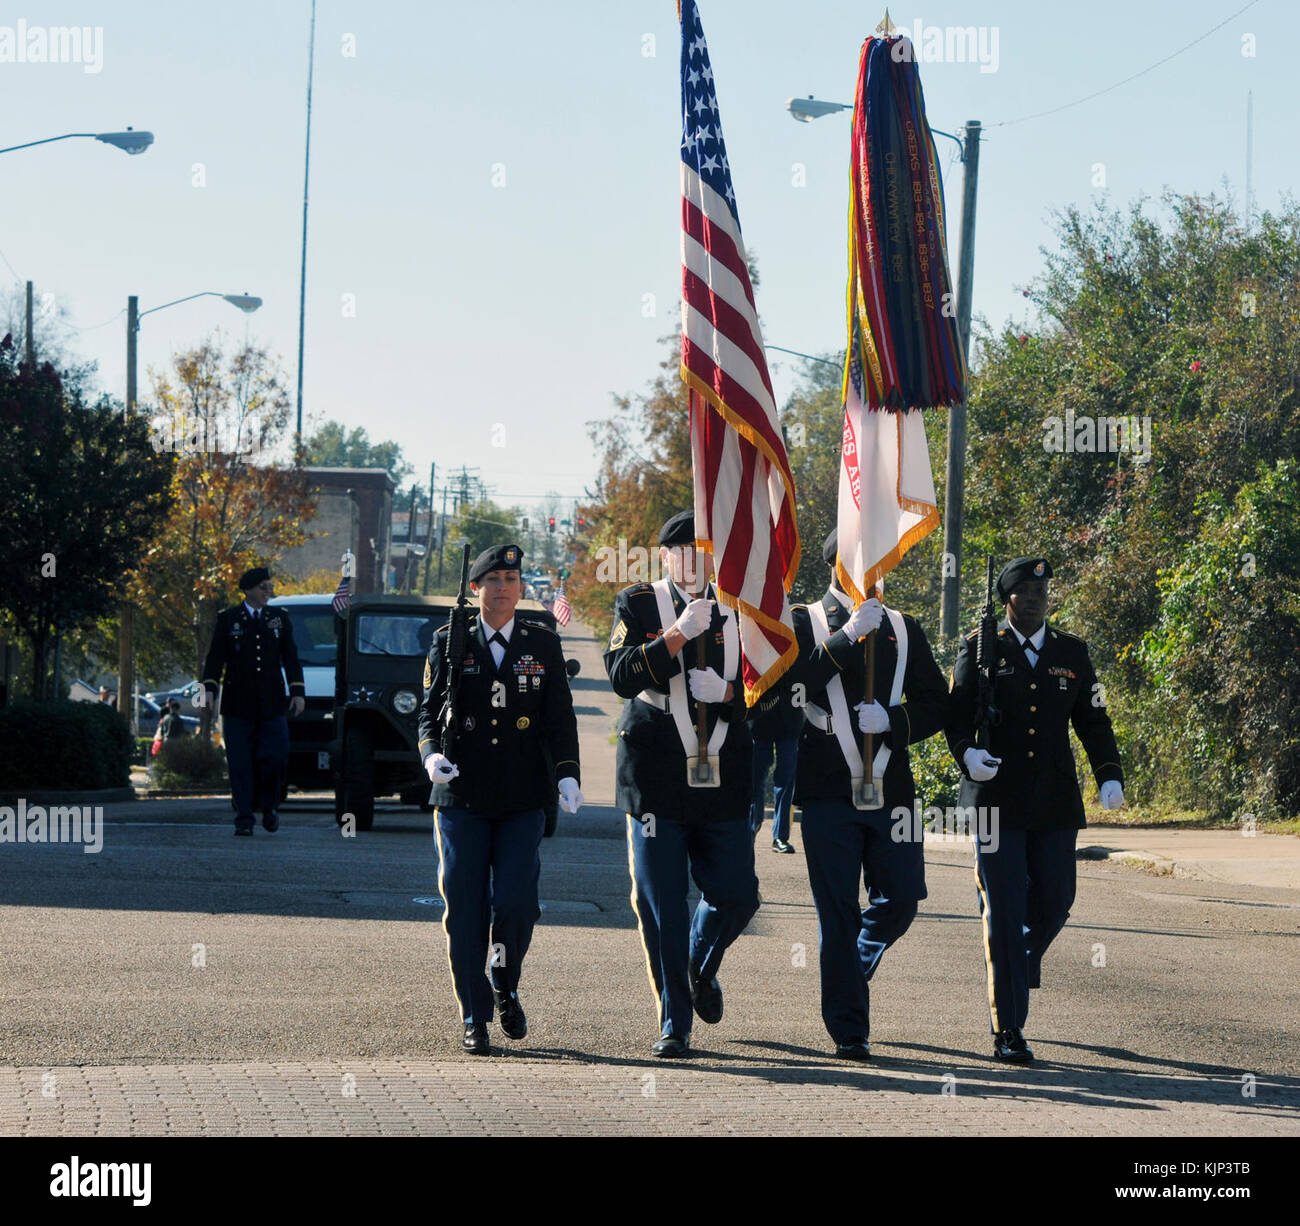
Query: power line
[{"x": 1098, "y": 93}]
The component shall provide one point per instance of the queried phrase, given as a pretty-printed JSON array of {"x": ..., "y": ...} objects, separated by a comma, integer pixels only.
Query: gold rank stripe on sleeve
[{"x": 645, "y": 656}]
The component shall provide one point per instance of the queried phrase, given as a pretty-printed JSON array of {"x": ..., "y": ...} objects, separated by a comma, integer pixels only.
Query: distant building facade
[{"x": 354, "y": 510}]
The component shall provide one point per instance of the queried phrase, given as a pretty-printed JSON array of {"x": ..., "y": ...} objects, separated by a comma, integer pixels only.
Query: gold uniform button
[
  {"x": 1032, "y": 731},
  {"x": 494, "y": 740},
  {"x": 494, "y": 722},
  {"x": 1033, "y": 708},
  {"x": 1033, "y": 685},
  {"x": 1031, "y": 753}
]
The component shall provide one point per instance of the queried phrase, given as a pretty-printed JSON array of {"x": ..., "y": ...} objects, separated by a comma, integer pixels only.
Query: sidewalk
[{"x": 1228, "y": 856}]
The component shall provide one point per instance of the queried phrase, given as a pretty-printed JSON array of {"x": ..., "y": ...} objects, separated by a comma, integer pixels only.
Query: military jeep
[{"x": 383, "y": 644}]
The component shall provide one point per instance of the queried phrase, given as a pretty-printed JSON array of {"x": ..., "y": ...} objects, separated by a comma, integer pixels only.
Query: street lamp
[
  {"x": 130, "y": 141},
  {"x": 126, "y": 639},
  {"x": 805, "y": 110},
  {"x": 245, "y": 302}
]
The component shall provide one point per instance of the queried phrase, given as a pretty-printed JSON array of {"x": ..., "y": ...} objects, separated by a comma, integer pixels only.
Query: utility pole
[
  {"x": 306, "y": 180},
  {"x": 954, "y": 496},
  {"x": 30, "y": 347},
  {"x": 442, "y": 533},
  {"x": 428, "y": 545}
]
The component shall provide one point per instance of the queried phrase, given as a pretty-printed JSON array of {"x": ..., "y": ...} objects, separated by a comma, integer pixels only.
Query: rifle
[
  {"x": 457, "y": 632},
  {"x": 986, "y": 651}
]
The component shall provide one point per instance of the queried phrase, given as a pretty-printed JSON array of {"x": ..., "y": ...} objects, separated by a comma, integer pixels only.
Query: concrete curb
[{"x": 100, "y": 796}]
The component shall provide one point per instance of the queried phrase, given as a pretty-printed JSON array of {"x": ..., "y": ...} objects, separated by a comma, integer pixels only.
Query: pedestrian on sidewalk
[
  {"x": 251, "y": 654},
  {"x": 1024, "y": 777},
  {"x": 513, "y": 708}
]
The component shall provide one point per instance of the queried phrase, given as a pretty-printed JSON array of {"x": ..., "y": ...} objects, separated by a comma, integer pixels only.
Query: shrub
[
  {"x": 189, "y": 762},
  {"x": 52, "y": 745}
]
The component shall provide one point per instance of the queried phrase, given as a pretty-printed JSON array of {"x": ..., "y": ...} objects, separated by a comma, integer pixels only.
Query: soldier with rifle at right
[
  {"x": 1016, "y": 689},
  {"x": 496, "y": 703}
]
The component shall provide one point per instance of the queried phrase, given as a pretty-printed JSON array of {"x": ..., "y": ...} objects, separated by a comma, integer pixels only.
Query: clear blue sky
[{"x": 522, "y": 304}]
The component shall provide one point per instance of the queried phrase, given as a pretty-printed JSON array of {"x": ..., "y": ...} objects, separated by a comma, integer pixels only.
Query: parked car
[{"x": 184, "y": 695}]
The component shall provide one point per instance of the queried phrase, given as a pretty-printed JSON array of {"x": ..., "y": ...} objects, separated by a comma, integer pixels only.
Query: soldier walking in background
[{"x": 253, "y": 646}]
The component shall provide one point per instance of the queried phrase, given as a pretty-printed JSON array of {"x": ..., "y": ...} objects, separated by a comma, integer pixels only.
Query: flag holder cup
[
  {"x": 868, "y": 794},
  {"x": 703, "y": 771}
]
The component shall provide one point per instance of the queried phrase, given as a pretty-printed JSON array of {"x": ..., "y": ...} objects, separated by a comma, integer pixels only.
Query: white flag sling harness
[{"x": 838, "y": 719}]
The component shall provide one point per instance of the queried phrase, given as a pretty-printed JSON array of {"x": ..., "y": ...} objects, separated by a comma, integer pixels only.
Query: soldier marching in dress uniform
[
  {"x": 513, "y": 708},
  {"x": 679, "y": 820},
  {"x": 883, "y": 847},
  {"x": 1025, "y": 780},
  {"x": 252, "y": 644}
]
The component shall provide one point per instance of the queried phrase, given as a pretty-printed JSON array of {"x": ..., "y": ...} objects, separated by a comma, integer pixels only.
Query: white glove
[
  {"x": 872, "y": 718},
  {"x": 695, "y": 618},
  {"x": 706, "y": 685},
  {"x": 1112, "y": 794},
  {"x": 981, "y": 766},
  {"x": 864, "y": 619},
  {"x": 440, "y": 769},
  {"x": 570, "y": 794}
]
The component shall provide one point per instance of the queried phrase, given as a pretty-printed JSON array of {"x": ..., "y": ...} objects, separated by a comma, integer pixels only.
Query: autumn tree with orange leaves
[{"x": 239, "y": 497}]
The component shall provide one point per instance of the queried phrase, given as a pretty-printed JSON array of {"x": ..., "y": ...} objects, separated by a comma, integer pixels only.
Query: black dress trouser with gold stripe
[{"x": 1026, "y": 889}]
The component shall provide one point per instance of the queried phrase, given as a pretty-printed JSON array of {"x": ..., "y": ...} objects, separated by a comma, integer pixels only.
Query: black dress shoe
[
  {"x": 476, "y": 1039},
  {"x": 244, "y": 825},
  {"x": 1010, "y": 1045},
  {"x": 271, "y": 821},
  {"x": 857, "y": 1049},
  {"x": 511, "y": 1014},
  {"x": 670, "y": 1047},
  {"x": 707, "y": 999},
  {"x": 782, "y": 846}
]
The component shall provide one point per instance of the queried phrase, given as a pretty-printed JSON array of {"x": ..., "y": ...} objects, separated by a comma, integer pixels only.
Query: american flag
[
  {"x": 744, "y": 492},
  {"x": 561, "y": 608},
  {"x": 341, "y": 597}
]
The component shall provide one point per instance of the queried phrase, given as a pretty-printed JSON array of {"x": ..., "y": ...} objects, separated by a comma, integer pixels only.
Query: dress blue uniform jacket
[
  {"x": 252, "y": 651},
  {"x": 823, "y": 773},
  {"x": 510, "y": 719},
  {"x": 651, "y": 771},
  {"x": 1036, "y": 787}
]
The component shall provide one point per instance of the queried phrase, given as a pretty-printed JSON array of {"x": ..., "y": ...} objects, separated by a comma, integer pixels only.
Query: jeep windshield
[
  {"x": 313, "y": 634},
  {"x": 396, "y": 634}
]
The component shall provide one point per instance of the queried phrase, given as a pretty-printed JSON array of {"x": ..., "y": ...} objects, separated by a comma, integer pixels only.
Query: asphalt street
[{"x": 1169, "y": 1005}]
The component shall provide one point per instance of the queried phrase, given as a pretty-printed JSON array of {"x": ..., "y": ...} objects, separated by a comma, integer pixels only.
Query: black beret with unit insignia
[
  {"x": 251, "y": 578},
  {"x": 679, "y": 530},
  {"x": 830, "y": 547},
  {"x": 1020, "y": 569},
  {"x": 499, "y": 557}
]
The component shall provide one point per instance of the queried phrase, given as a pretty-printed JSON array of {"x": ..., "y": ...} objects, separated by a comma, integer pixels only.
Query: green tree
[
  {"x": 333, "y": 445},
  {"x": 84, "y": 493}
]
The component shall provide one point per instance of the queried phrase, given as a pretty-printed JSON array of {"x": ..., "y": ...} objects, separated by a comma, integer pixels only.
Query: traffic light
[
  {"x": 525, "y": 525},
  {"x": 582, "y": 523},
  {"x": 550, "y": 524}
]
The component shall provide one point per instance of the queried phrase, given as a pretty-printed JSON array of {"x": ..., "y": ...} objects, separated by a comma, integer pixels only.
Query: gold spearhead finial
[{"x": 886, "y": 28}]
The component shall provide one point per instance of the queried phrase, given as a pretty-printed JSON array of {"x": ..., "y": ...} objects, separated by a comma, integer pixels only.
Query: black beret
[
  {"x": 830, "y": 547},
  {"x": 680, "y": 530},
  {"x": 1019, "y": 569},
  {"x": 499, "y": 557},
  {"x": 251, "y": 578}
]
